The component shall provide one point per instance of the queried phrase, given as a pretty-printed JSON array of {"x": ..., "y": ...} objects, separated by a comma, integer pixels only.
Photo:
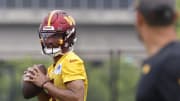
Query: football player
[{"x": 66, "y": 79}]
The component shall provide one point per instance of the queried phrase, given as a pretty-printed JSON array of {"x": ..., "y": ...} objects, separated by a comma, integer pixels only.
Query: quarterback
[{"x": 66, "y": 78}]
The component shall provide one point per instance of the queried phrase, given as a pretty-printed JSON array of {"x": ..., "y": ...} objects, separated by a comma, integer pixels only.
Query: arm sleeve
[{"x": 73, "y": 71}]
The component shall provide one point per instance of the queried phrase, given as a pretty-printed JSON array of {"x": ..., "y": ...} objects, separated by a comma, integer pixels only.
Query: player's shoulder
[
  {"x": 171, "y": 62},
  {"x": 167, "y": 57},
  {"x": 169, "y": 52},
  {"x": 72, "y": 57},
  {"x": 173, "y": 53},
  {"x": 174, "y": 48}
]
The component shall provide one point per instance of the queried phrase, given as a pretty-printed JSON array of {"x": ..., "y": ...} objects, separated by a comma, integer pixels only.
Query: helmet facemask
[{"x": 63, "y": 40}]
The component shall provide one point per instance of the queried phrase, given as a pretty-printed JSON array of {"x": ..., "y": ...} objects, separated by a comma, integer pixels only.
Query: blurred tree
[
  {"x": 8, "y": 84},
  {"x": 98, "y": 88},
  {"x": 127, "y": 83},
  {"x": 115, "y": 70}
]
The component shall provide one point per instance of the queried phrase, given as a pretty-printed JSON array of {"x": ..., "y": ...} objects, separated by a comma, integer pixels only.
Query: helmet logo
[
  {"x": 47, "y": 28},
  {"x": 70, "y": 20}
]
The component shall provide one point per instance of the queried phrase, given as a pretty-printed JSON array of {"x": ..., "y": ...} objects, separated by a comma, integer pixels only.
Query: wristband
[{"x": 42, "y": 86}]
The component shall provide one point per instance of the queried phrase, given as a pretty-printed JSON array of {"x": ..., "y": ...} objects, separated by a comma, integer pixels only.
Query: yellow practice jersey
[{"x": 68, "y": 68}]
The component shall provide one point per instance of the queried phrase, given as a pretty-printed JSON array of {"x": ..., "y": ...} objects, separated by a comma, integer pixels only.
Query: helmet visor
[{"x": 46, "y": 34}]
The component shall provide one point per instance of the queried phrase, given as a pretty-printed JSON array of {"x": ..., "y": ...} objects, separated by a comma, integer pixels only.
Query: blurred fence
[
  {"x": 65, "y": 4},
  {"x": 111, "y": 78}
]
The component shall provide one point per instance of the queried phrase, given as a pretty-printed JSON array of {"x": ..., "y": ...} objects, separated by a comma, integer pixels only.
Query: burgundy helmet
[{"x": 61, "y": 25}]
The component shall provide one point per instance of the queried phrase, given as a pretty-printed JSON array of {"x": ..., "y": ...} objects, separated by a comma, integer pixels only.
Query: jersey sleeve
[{"x": 73, "y": 70}]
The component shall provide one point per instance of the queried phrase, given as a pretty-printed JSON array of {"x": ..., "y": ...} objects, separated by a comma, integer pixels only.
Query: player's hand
[{"x": 34, "y": 75}]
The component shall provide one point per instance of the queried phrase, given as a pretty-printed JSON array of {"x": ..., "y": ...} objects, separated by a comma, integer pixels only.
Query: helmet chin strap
[
  {"x": 52, "y": 51},
  {"x": 70, "y": 49},
  {"x": 57, "y": 53},
  {"x": 60, "y": 52}
]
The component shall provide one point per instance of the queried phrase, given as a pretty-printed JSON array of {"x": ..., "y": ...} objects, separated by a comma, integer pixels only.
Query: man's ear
[
  {"x": 139, "y": 19},
  {"x": 177, "y": 16}
]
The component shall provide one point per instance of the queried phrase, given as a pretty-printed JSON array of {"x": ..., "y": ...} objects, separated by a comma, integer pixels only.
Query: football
[{"x": 30, "y": 90}]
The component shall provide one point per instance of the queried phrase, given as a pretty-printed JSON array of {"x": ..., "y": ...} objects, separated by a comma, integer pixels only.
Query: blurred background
[{"x": 107, "y": 42}]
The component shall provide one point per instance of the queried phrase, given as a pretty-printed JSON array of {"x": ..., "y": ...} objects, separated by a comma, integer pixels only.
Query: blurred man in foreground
[
  {"x": 156, "y": 24},
  {"x": 66, "y": 78}
]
